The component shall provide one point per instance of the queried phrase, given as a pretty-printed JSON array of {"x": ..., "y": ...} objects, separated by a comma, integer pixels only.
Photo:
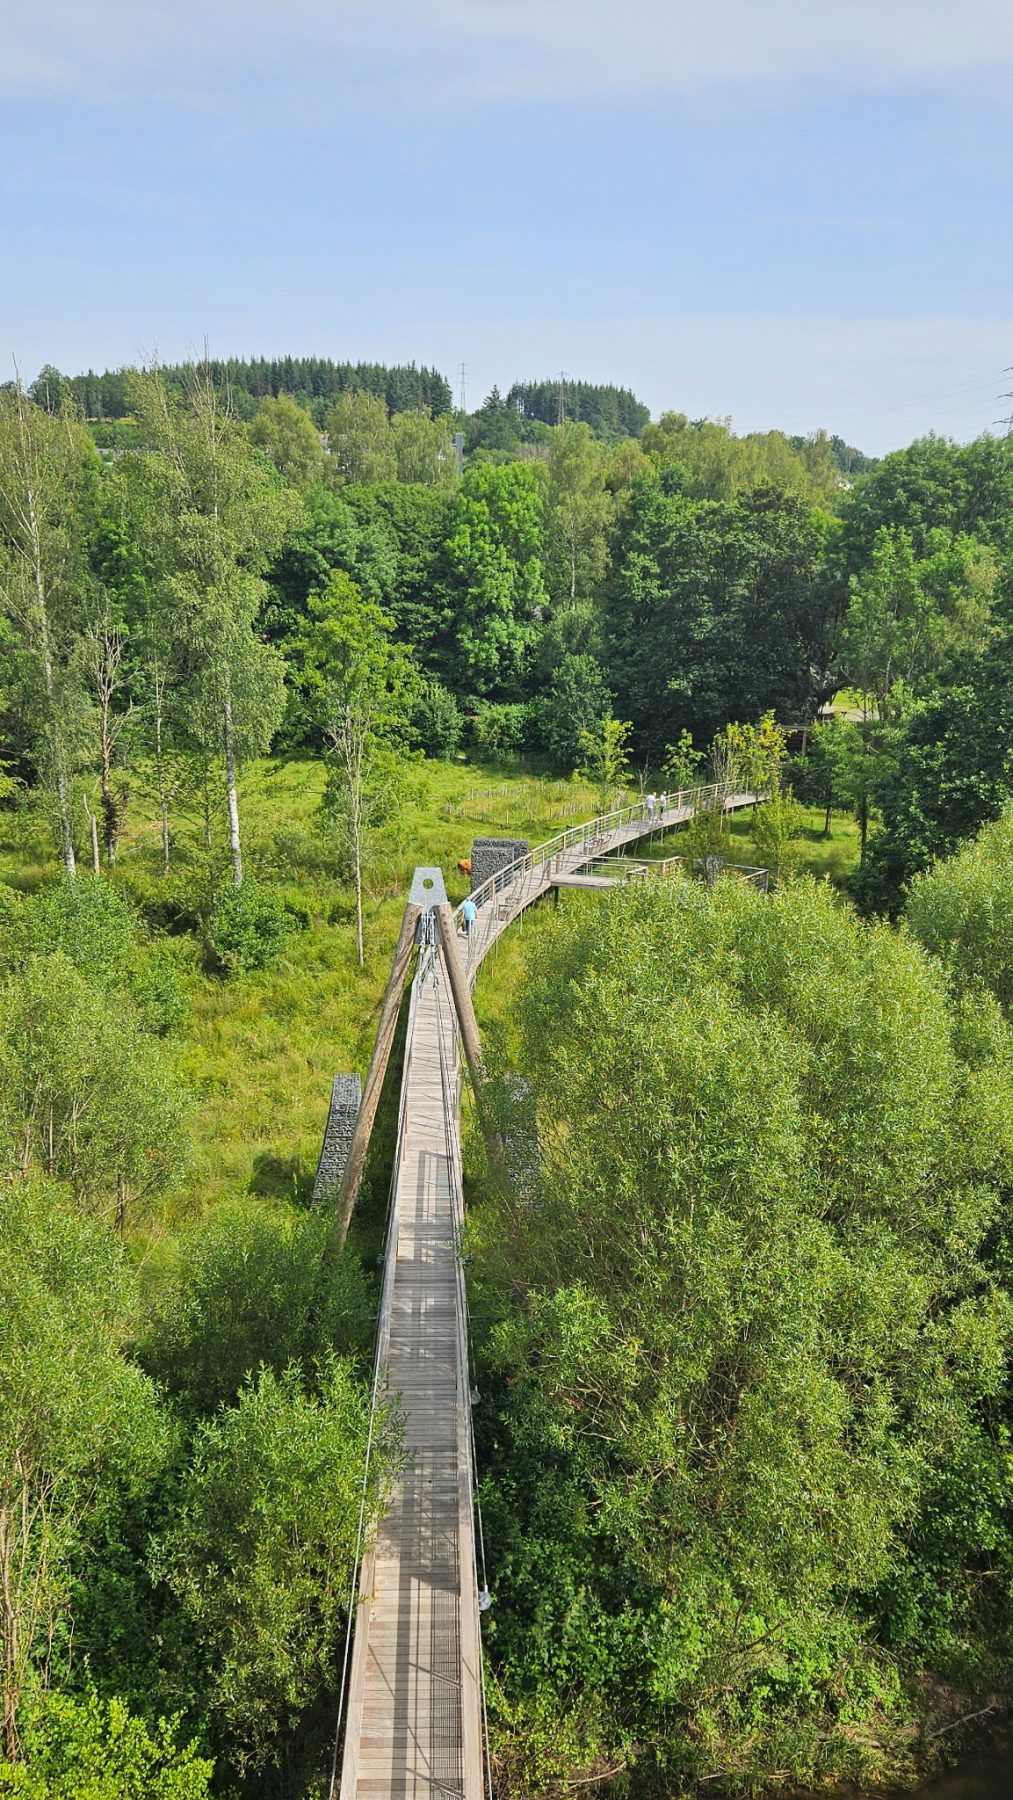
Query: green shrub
[
  {"x": 167, "y": 903},
  {"x": 260, "y": 1550},
  {"x": 97, "y": 1750},
  {"x": 88, "y": 921},
  {"x": 759, "y": 1371},
  {"x": 251, "y": 1290},
  {"x": 436, "y": 720},
  {"x": 248, "y": 927},
  {"x": 498, "y": 727},
  {"x": 962, "y": 911},
  {"x": 13, "y": 926},
  {"x": 159, "y": 992},
  {"x": 576, "y": 701}
]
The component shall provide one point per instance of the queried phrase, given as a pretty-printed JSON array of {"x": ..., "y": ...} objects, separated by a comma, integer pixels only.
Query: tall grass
[{"x": 260, "y": 1048}]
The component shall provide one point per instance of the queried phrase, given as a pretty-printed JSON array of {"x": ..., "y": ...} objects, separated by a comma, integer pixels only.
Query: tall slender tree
[
  {"x": 44, "y": 460},
  {"x": 222, "y": 518},
  {"x": 360, "y": 682},
  {"x": 578, "y": 511}
]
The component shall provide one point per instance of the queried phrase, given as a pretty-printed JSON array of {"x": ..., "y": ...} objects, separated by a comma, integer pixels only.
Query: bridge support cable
[
  {"x": 413, "y": 1702},
  {"x": 357, "y": 1589},
  {"x": 452, "y": 1127},
  {"x": 389, "y": 1010},
  {"x": 412, "y": 1712}
]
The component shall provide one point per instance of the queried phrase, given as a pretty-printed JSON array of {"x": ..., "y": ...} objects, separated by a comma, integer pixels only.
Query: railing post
[{"x": 351, "y": 1175}]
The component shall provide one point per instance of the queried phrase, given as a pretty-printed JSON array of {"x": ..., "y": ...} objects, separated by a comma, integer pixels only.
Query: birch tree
[
  {"x": 220, "y": 519},
  {"x": 360, "y": 683},
  {"x": 578, "y": 512},
  {"x": 43, "y": 466}
]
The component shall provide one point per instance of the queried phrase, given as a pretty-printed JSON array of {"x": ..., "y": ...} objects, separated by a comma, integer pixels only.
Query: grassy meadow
[{"x": 260, "y": 1048}]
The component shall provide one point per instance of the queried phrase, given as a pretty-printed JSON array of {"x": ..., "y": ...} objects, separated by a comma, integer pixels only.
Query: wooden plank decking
[
  {"x": 413, "y": 1719},
  {"x": 414, "y": 1709}
]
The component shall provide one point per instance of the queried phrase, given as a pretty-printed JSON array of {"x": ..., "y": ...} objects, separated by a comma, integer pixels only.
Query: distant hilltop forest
[{"x": 500, "y": 427}]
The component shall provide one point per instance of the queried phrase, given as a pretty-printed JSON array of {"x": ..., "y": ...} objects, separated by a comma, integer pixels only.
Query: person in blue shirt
[{"x": 470, "y": 915}]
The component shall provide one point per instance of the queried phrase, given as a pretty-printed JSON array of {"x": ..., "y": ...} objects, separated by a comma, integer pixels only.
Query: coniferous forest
[{"x": 272, "y": 632}]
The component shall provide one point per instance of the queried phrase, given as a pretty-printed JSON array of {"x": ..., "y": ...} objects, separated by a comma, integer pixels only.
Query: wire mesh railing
[{"x": 582, "y": 844}]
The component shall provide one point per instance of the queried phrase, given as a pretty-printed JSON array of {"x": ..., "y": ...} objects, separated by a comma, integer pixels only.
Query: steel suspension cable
[
  {"x": 390, "y": 1223},
  {"x": 453, "y": 1154}
]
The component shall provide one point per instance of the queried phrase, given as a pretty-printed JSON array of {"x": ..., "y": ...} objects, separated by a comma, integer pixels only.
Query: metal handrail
[
  {"x": 591, "y": 834},
  {"x": 632, "y": 868}
]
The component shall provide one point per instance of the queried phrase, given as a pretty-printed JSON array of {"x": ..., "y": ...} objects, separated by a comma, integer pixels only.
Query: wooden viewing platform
[{"x": 414, "y": 1713}]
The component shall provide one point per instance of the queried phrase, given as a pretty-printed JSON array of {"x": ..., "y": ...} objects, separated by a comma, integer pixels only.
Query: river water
[{"x": 986, "y": 1776}]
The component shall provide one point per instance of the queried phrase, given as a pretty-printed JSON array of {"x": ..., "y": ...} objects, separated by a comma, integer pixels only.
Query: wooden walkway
[
  {"x": 413, "y": 1716},
  {"x": 414, "y": 1703}
]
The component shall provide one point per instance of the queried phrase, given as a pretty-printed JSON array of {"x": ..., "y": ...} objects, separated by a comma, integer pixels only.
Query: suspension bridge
[{"x": 412, "y": 1724}]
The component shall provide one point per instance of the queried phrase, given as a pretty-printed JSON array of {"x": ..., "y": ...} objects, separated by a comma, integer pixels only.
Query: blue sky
[{"x": 793, "y": 213}]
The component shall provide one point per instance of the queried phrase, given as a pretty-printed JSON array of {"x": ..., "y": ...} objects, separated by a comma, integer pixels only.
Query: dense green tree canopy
[
  {"x": 751, "y": 1334},
  {"x": 79, "y": 1426},
  {"x": 961, "y": 909},
  {"x": 712, "y": 611},
  {"x": 260, "y": 1551},
  {"x": 284, "y": 432},
  {"x": 496, "y": 591},
  {"x": 951, "y": 771}
]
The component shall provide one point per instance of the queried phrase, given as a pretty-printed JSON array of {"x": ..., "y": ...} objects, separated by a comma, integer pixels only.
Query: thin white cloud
[
  {"x": 649, "y": 45},
  {"x": 472, "y": 49}
]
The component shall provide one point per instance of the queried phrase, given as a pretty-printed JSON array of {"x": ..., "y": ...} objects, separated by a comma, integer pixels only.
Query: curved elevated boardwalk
[{"x": 414, "y": 1709}]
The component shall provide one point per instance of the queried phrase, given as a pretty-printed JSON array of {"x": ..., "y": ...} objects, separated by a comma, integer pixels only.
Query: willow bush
[{"x": 758, "y": 1329}]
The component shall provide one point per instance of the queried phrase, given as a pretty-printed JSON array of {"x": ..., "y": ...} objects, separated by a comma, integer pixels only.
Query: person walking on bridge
[{"x": 469, "y": 914}]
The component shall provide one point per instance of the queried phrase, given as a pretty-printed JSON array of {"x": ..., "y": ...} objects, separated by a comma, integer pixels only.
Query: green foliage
[
  {"x": 932, "y": 485},
  {"x": 216, "y": 519},
  {"x": 89, "y": 923},
  {"x": 311, "y": 380},
  {"x": 713, "y": 611},
  {"x": 160, "y": 992},
  {"x": 905, "y": 614},
  {"x": 415, "y": 522},
  {"x": 80, "y": 1427},
  {"x": 248, "y": 927},
  {"x": 605, "y": 759},
  {"x": 361, "y": 442},
  {"x": 498, "y": 727},
  {"x": 575, "y": 704},
  {"x": 48, "y": 470},
  {"x": 94, "y": 1749},
  {"x": 260, "y": 1553},
  {"x": 682, "y": 763},
  {"x": 327, "y": 536},
  {"x": 962, "y": 911},
  {"x": 776, "y": 831},
  {"x": 578, "y": 512},
  {"x": 362, "y": 687},
  {"x": 250, "y": 1290},
  {"x": 610, "y": 411},
  {"x": 496, "y": 586},
  {"x": 287, "y": 436},
  {"x": 755, "y": 1333},
  {"x": 424, "y": 453},
  {"x": 716, "y": 465},
  {"x": 950, "y": 770},
  {"x": 436, "y": 722},
  {"x": 85, "y": 1096}
]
